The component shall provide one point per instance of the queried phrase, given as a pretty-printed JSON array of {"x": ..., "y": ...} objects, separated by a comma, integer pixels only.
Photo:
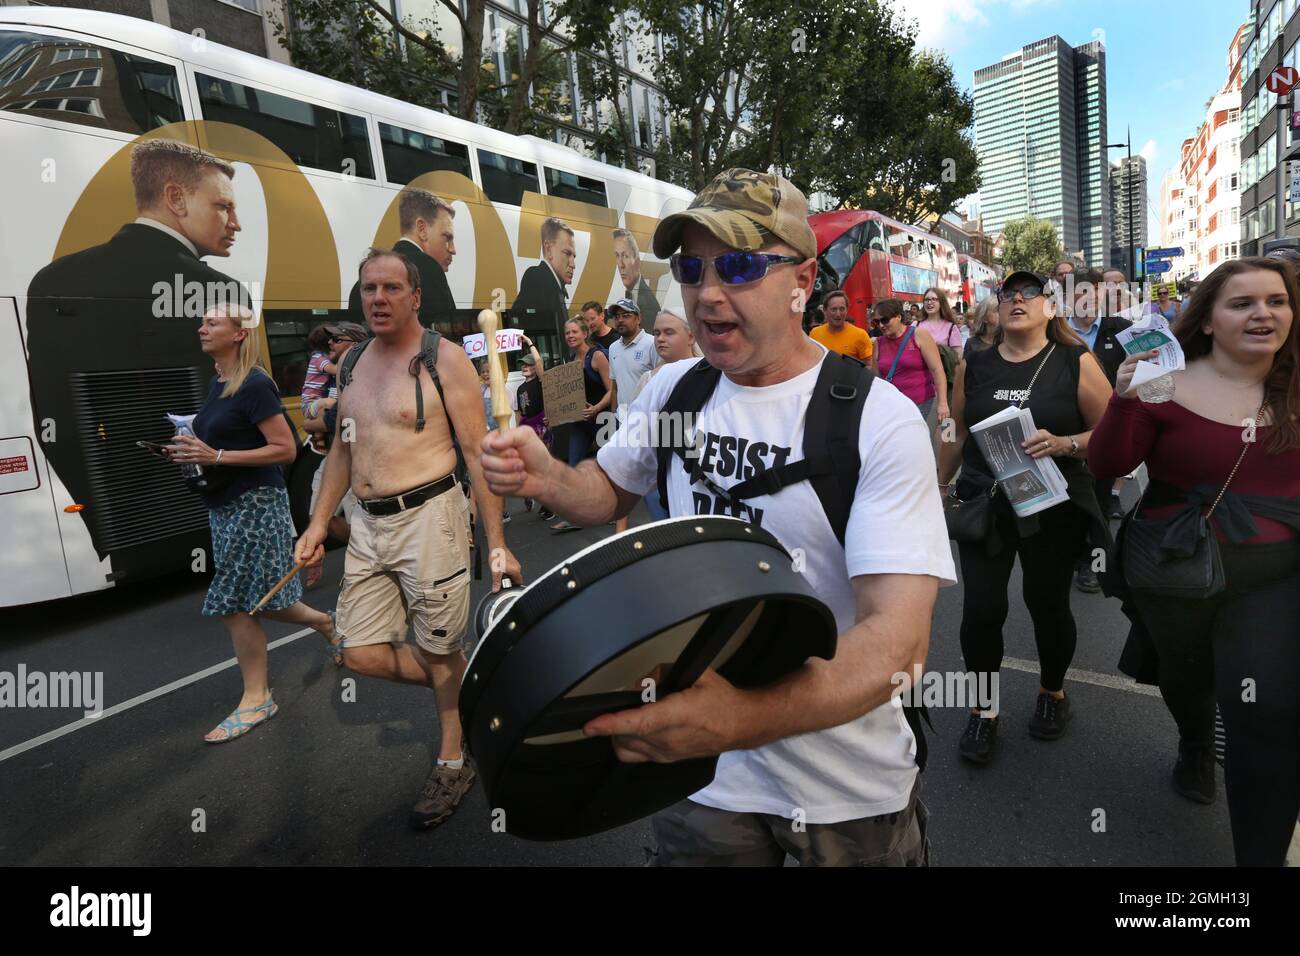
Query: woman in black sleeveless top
[{"x": 1067, "y": 399}]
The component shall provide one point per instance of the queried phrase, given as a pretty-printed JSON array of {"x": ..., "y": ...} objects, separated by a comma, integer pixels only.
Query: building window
[
  {"x": 310, "y": 135},
  {"x": 133, "y": 94},
  {"x": 64, "y": 81},
  {"x": 408, "y": 154},
  {"x": 75, "y": 53},
  {"x": 506, "y": 179},
  {"x": 88, "y": 106}
]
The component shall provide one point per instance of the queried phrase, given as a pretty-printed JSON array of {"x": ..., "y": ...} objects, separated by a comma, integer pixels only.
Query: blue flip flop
[
  {"x": 236, "y": 726},
  {"x": 335, "y": 647}
]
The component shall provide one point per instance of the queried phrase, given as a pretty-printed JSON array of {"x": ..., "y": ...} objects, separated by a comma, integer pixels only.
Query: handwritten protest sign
[
  {"x": 563, "y": 393},
  {"x": 508, "y": 340}
]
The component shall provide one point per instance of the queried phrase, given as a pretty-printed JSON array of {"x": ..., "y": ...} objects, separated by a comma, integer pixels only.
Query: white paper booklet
[
  {"x": 1152, "y": 333},
  {"x": 1031, "y": 485}
]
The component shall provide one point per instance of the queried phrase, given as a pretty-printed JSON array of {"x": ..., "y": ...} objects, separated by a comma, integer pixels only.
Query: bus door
[{"x": 32, "y": 567}]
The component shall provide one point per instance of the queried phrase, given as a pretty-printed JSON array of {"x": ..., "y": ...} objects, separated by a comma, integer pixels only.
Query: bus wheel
[{"x": 300, "y": 476}]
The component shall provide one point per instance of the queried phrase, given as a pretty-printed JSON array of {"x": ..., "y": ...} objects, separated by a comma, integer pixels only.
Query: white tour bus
[{"x": 89, "y": 364}]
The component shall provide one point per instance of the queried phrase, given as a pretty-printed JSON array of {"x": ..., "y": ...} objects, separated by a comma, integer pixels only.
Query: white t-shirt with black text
[{"x": 866, "y": 767}]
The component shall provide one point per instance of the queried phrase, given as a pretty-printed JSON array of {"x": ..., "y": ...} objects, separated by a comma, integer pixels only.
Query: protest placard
[
  {"x": 508, "y": 340},
  {"x": 563, "y": 393}
]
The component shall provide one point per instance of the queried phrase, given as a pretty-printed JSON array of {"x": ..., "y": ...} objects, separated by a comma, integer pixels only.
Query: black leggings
[
  {"x": 1047, "y": 563},
  {"x": 1207, "y": 649}
]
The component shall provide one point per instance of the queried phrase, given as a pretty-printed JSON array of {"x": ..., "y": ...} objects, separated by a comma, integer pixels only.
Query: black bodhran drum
[{"x": 670, "y": 599}]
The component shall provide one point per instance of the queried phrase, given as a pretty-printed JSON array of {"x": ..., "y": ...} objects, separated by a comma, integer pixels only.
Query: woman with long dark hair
[
  {"x": 1226, "y": 433},
  {"x": 1038, "y": 363}
]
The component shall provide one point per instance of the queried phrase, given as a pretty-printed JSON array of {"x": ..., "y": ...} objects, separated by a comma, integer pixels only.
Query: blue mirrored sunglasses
[{"x": 733, "y": 268}]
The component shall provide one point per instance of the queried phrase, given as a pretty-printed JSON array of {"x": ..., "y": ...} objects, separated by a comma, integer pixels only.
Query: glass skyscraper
[{"x": 1040, "y": 131}]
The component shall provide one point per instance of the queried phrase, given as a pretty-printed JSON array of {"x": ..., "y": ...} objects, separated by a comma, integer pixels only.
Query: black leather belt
[{"x": 407, "y": 499}]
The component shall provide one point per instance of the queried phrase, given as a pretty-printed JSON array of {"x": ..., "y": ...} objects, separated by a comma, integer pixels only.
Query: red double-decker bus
[
  {"x": 978, "y": 281},
  {"x": 872, "y": 258}
]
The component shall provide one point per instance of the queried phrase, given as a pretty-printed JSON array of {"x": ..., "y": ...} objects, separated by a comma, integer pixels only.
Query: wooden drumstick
[
  {"x": 489, "y": 322},
  {"x": 276, "y": 590}
]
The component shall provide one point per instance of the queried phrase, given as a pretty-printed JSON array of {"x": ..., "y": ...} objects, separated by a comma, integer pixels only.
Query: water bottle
[{"x": 189, "y": 469}]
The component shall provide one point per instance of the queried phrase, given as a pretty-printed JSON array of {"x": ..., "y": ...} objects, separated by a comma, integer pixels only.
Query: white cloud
[
  {"x": 948, "y": 24},
  {"x": 1149, "y": 152}
]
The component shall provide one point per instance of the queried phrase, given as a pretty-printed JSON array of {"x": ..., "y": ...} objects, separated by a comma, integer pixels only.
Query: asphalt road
[{"x": 330, "y": 782}]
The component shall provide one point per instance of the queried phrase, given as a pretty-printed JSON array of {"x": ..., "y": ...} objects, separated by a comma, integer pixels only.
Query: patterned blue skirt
[{"x": 252, "y": 545}]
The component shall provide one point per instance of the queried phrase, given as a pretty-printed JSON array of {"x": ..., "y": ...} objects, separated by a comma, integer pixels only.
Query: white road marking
[
  {"x": 144, "y": 698},
  {"x": 1086, "y": 677}
]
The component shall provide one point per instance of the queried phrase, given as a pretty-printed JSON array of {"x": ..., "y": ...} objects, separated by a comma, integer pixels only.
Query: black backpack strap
[
  {"x": 350, "y": 362},
  {"x": 429, "y": 355},
  {"x": 914, "y": 715},
  {"x": 830, "y": 436},
  {"x": 687, "y": 398}
]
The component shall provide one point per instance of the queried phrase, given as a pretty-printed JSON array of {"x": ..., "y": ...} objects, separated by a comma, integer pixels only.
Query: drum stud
[
  {"x": 495, "y": 724},
  {"x": 764, "y": 567},
  {"x": 474, "y": 677},
  {"x": 564, "y": 572},
  {"x": 511, "y": 626},
  {"x": 748, "y": 530},
  {"x": 637, "y": 545},
  {"x": 699, "y": 530},
  {"x": 573, "y": 585}
]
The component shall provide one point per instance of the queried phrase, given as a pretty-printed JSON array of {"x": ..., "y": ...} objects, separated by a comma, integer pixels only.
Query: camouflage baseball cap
[{"x": 746, "y": 210}]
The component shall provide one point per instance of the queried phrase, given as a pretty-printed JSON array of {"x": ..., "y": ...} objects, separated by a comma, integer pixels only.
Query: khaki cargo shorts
[{"x": 405, "y": 570}]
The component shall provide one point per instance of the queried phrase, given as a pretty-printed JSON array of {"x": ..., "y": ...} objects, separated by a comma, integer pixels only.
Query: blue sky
[{"x": 1163, "y": 59}]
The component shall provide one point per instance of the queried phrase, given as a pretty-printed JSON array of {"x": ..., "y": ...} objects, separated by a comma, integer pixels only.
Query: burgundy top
[{"x": 1183, "y": 449}]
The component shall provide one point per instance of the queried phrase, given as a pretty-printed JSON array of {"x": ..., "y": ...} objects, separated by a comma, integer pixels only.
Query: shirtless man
[{"x": 408, "y": 554}]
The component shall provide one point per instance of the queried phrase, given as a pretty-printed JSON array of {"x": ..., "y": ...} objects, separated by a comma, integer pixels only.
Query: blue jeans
[{"x": 581, "y": 435}]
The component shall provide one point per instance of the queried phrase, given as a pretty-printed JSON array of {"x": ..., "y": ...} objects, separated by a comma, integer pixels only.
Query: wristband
[{"x": 219, "y": 453}]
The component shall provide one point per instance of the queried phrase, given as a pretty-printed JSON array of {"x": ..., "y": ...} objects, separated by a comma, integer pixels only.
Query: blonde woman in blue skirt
[{"x": 242, "y": 440}]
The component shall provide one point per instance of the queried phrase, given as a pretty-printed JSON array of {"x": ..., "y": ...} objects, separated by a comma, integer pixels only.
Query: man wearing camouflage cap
[{"x": 820, "y": 765}]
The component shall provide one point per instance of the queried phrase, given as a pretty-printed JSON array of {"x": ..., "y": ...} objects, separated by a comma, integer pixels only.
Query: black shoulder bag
[
  {"x": 971, "y": 520},
  {"x": 1152, "y": 567}
]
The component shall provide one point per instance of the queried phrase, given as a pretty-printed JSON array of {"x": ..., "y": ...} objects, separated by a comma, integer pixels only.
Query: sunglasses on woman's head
[{"x": 733, "y": 268}]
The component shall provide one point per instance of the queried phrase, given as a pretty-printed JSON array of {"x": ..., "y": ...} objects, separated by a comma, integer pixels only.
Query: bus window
[
  {"x": 87, "y": 85},
  {"x": 573, "y": 186},
  {"x": 286, "y": 339},
  {"x": 408, "y": 154},
  {"x": 873, "y": 236},
  {"x": 315, "y": 136},
  {"x": 841, "y": 255},
  {"x": 506, "y": 179}
]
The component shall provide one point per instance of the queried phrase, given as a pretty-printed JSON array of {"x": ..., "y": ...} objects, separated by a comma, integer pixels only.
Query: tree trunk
[{"x": 469, "y": 76}]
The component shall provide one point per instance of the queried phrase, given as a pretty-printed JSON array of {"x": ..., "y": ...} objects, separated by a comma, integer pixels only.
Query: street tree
[{"x": 1031, "y": 244}]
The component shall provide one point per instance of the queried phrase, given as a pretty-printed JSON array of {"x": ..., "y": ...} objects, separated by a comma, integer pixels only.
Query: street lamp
[{"x": 1128, "y": 189}]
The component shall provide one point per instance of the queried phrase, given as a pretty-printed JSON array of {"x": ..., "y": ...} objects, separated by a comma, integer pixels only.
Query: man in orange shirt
[{"x": 839, "y": 334}]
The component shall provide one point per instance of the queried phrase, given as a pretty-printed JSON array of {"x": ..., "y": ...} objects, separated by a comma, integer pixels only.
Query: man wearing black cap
[{"x": 820, "y": 764}]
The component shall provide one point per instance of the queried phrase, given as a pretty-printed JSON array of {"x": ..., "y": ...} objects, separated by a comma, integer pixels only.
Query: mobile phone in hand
[{"x": 155, "y": 449}]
